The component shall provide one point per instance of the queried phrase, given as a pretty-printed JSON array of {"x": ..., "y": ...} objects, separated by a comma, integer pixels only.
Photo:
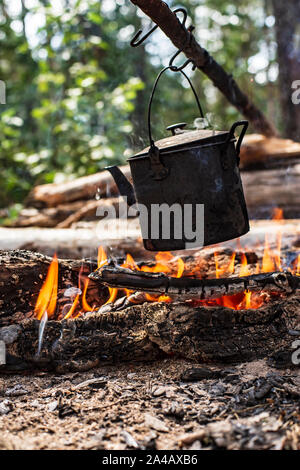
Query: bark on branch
[
  {"x": 168, "y": 22},
  {"x": 190, "y": 288}
]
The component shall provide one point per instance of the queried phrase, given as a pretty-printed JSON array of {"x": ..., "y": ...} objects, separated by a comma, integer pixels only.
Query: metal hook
[
  {"x": 174, "y": 68},
  {"x": 135, "y": 41}
]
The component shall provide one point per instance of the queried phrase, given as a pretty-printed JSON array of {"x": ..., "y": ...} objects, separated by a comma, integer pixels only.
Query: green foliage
[
  {"x": 66, "y": 114},
  {"x": 77, "y": 93}
]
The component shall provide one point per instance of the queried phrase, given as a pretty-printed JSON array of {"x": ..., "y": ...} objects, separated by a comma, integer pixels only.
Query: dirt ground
[{"x": 170, "y": 404}]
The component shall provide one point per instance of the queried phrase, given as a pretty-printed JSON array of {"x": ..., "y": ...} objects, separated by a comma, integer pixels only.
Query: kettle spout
[{"x": 125, "y": 188}]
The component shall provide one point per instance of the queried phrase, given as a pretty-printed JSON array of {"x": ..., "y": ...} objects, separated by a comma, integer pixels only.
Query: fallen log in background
[
  {"x": 266, "y": 189},
  {"x": 90, "y": 210},
  {"x": 64, "y": 215},
  {"x": 260, "y": 151},
  {"x": 273, "y": 163},
  {"x": 83, "y": 241},
  {"x": 86, "y": 187},
  {"x": 190, "y": 288},
  {"x": 46, "y": 217}
]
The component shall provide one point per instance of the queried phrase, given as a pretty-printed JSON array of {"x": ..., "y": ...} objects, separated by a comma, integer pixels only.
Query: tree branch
[
  {"x": 190, "y": 288},
  {"x": 168, "y": 22}
]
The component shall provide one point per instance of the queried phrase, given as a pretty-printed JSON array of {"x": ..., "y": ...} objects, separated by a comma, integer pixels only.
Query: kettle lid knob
[{"x": 174, "y": 127}]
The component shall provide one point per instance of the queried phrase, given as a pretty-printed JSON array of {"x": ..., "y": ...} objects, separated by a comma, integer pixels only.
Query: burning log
[
  {"x": 22, "y": 274},
  {"x": 149, "y": 331},
  {"x": 189, "y": 288},
  {"x": 199, "y": 328}
]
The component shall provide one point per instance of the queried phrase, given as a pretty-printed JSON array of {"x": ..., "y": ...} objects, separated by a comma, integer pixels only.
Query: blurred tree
[
  {"x": 70, "y": 93},
  {"x": 288, "y": 39}
]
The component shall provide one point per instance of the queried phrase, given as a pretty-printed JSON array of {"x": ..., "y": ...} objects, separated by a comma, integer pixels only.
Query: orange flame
[
  {"x": 112, "y": 295},
  {"x": 86, "y": 307},
  {"x": 102, "y": 258},
  {"x": 165, "y": 262},
  {"x": 277, "y": 214},
  {"x": 297, "y": 268},
  {"x": 73, "y": 308},
  {"x": 227, "y": 269},
  {"x": 267, "y": 262},
  {"x": 247, "y": 299},
  {"x": 244, "y": 271},
  {"x": 180, "y": 265},
  {"x": 277, "y": 255},
  {"x": 102, "y": 261},
  {"x": 46, "y": 301},
  {"x": 130, "y": 263}
]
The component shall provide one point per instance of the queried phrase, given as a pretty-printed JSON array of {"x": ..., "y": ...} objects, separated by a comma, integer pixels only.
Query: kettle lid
[{"x": 186, "y": 139}]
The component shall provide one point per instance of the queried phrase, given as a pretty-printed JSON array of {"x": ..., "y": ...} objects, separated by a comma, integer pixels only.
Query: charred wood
[
  {"x": 189, "y": 288},
  {"x": 149, "y": 331},
  {"x": 22, "y": 274}
]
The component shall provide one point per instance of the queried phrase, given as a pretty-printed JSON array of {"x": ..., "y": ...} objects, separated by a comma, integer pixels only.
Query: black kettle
[{"x": 198, "y": 170}]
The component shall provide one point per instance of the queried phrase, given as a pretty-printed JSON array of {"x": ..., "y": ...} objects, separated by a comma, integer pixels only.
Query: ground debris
[
  {"x": 155, "y": 423},
  {"x": 149, "y": 406},
  {"x": 91, "y": 384},
  {"x": 16, "y": 391},
  {"x": 5, "y": 407},
  {"x": 130, "y": 441},
  {"x": 199, "y": 373}
]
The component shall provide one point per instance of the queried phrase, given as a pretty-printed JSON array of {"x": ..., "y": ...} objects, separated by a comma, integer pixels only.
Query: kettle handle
[
  {"x": 152, "y": 96},
  {"x": 242, "y": 134}
]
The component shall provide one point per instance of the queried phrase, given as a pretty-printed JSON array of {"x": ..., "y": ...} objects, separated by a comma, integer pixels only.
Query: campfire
[
  {"x": 236, "y": 266},
  {"x": 226, "y": 303}
]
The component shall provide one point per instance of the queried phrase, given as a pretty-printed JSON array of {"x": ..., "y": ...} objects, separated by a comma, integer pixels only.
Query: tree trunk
[{"x": 287, "y": 15}]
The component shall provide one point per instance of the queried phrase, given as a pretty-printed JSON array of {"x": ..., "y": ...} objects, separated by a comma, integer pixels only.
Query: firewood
[
  {"x": 22, "y": 274},
  {"x": 258, "y": 149},
  {"x": 47, "y": 217},
  {"x": 189, "y": 288},
  {"x": 151, "y": 331},
  {"x": 139, "y": 332},
  {"x": 265, "y": 189},
  {"x": 86, "y": 187},
  {"x": 89, "y": 209},
  {"x": 64, "y": 215}
]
